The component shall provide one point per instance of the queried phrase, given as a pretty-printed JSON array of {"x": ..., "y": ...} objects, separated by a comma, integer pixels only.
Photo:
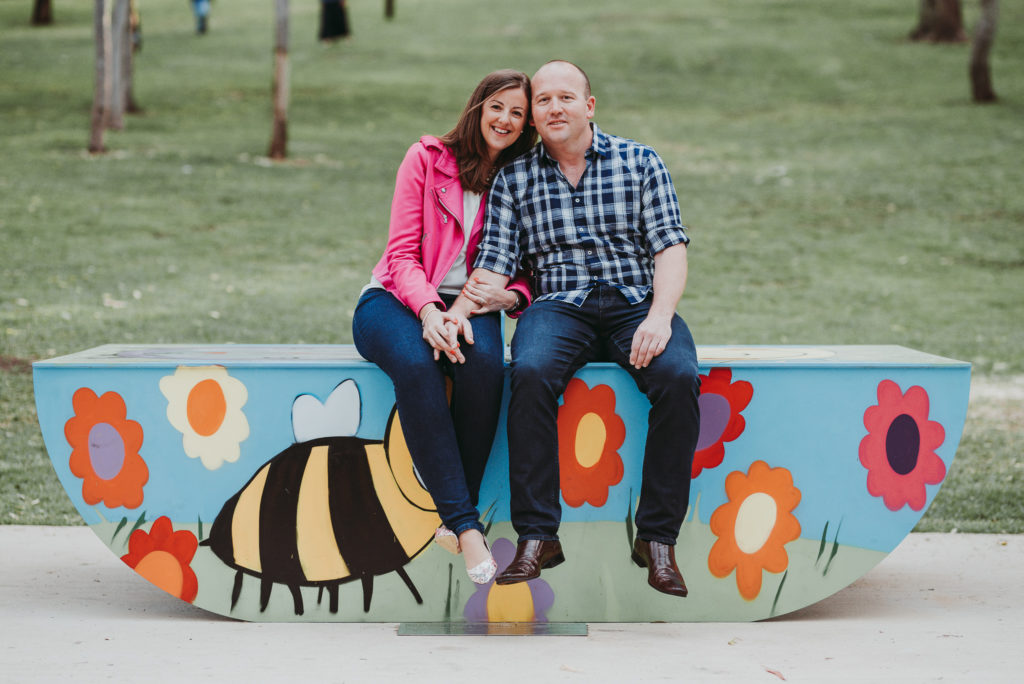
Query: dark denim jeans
[
  {"x": 552, "y": 341},
  {"x": 449, "y": 445}
]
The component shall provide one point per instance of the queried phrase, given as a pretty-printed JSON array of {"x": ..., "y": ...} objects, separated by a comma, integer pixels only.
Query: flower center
[
  {"x": 510, "y": 603},
  {"x": 590, "y": 438},
  {"x": 902, "y": 444},
  {"x": 162, "y": 569},
  {"x": 206, "y": 407},
  {"x": 714, "y": 418},
  {"x": 755, "y": 521},
  {"x": 106, "y": 450}
]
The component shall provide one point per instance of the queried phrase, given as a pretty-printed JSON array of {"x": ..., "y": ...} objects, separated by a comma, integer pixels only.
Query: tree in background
[
  {"x": 984, "y": 36},
  {"x": 114, "y": 24},
  {"x": 103, "y": 85},
  {"x": 279, "y": 133},
  {"x": 939, "y": 21},
  {"x": 42, "y": 12}
]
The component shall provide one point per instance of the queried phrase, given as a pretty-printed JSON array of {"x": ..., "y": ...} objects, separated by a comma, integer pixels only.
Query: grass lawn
[{"x": 839, "y": 186}]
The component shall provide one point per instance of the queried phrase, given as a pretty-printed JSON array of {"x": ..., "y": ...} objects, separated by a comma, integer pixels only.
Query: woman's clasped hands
[{"x": 442, "y": 329}]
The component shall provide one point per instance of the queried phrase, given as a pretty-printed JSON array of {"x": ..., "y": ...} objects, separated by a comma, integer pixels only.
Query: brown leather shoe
[
  {"x": 531, "y": 556},
  {"x": 660, "y": 561}
]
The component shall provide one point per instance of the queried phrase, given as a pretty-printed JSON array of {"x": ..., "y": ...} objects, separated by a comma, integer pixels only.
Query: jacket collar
[{"x": 444, "y": 161}]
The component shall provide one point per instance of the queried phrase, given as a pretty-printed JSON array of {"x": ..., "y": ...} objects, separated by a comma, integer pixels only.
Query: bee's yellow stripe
[
  {"x": 314, "y": 533},
  {"x": 413, "y": 526},
  {"x": 402, "y": 468},
  {"x": 245, "y": 523}
]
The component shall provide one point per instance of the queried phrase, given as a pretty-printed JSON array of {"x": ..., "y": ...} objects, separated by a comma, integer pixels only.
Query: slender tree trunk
[
  {"x": 134, "y": 45},
  {"x": 984, "y": 36},
  {"x": 42, "y": 12},
  {"x": 101, "y": 93},
  {"x": 389, "y": 9},
  {"x": 940, "y": 21},
  {"x": 279, "y": 134},
  {"x": 120, "y": 50}
]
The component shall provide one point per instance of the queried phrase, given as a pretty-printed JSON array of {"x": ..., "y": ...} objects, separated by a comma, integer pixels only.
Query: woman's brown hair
[{"x": 467, "y": 142}]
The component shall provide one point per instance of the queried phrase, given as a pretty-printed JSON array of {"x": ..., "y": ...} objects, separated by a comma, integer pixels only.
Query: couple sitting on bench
[{"x": 580, "y": 237}]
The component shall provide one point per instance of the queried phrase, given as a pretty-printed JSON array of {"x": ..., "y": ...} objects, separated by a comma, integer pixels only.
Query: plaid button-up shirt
[{"x": 606, "y": 230}]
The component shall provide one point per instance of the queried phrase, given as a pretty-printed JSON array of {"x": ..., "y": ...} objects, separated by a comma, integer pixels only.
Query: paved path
[{"x": 942, "y": 607}]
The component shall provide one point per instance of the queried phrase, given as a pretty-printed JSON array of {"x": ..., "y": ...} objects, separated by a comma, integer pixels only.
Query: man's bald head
[{"x": 563, "y": 65}]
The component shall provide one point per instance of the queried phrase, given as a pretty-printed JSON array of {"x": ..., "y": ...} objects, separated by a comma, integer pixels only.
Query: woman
[{"x": 400, "y": 321}]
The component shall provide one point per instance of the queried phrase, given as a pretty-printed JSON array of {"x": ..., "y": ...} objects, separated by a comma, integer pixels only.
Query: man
[{"x": 596, "y": 218}]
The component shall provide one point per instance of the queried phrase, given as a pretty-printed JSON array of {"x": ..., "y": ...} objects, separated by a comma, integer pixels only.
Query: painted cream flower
[{"x": 205, "y": 405}]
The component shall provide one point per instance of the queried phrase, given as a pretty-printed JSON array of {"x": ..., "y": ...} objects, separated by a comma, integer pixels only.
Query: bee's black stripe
[
  {"x": 279, "y": 553},
  {"x": 365, "y": 538},
  {"x": 220, "y": 540}
]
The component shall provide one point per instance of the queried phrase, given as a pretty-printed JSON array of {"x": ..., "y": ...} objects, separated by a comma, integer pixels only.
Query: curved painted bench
[{"x": 273, "y": 482}]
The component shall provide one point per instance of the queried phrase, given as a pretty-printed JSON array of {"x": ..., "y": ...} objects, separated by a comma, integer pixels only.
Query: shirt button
[
  {"x": 577, "y": 200},
  {"x": 444, "y": 189}
]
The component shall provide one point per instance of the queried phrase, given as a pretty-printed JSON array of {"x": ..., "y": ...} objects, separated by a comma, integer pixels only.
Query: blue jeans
[
  {"x": 449, "y": 445},
  {"x": 552, "y": 341}
]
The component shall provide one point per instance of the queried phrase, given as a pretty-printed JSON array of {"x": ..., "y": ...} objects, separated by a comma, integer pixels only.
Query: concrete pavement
[{"x": 941, "y": 607}]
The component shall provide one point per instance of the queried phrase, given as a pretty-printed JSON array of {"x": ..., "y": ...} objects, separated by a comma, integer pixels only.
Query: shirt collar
[{"x": 599, "y": 146}]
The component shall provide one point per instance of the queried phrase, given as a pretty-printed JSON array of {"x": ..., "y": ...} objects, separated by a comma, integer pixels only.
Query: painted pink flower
[{"x": 899, "y": 449}]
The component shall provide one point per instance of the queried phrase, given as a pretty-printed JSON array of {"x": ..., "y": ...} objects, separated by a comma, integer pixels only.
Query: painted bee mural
[{"x": 327, "y": 511}]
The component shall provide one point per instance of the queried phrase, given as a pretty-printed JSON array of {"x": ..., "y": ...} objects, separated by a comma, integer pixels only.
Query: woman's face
[{"x": 502, "y": 118}]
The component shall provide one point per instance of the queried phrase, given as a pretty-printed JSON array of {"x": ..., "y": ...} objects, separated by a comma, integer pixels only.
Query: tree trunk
[
  {"x": 984, "y": 36},
  {"x": 42, "y": 12},
  {"x": 940, "y": 21},
  {"x": 279, "y": 133},
  {"x": 134, "y": 45},
  {"x": 101, "y": 93},
  {"x": 120, "y": 51}
]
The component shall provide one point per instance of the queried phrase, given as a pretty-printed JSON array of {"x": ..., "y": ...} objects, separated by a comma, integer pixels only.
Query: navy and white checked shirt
[{"x": 606, "y": 230}]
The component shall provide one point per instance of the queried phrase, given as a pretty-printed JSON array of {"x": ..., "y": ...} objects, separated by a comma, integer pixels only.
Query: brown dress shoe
[
  {"x": 660, "y": 561},
  {"x": 531, "y": 556}
]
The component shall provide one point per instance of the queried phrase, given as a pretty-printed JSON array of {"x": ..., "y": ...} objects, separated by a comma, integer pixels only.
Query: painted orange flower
[
  {"x": 899, "y": 449},
  {"x": 164, "y": 557},
  {"x": 721, "y": 402},
  {"x": 755, "y": 526},
  {"x": 589, "y": 436},
  {"x": 105, "y": 450}
]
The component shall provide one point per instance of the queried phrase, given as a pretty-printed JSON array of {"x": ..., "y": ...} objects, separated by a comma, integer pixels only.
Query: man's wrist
[
  {"x": 660, "y": 315},
  {"x": 518, "y": 303}
]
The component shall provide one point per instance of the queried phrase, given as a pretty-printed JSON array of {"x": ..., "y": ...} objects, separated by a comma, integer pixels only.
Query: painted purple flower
[{"x": 523, "y": 602}]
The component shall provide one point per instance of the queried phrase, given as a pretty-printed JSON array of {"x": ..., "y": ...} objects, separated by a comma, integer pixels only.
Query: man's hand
[
  {"x": 652, "y": 336},
  {"x": 650, "y": 339},
  {"x": 487, "y": 295}
]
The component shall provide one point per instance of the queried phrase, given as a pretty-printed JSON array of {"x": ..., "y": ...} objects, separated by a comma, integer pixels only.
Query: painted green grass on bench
[{"x": 839, "y": 186}]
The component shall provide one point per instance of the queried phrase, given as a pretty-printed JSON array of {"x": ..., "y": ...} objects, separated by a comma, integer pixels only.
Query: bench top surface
[{"x": 334, "y": 355}]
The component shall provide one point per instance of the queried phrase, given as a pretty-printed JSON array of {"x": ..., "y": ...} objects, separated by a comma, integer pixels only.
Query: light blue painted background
[{"x": 805, "y": 415}]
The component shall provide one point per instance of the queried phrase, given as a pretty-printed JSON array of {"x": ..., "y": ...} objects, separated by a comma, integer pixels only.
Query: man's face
[{"x": 561, "y": 111}]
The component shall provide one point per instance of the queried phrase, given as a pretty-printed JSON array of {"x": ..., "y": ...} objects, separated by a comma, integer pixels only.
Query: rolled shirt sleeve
[
  {"x": 499, "y": 245},
  {"x": 660, "y": 220}
]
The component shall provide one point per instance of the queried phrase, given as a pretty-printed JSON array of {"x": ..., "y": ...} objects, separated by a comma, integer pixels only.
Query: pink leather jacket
[{"x": 425, "y": 231}]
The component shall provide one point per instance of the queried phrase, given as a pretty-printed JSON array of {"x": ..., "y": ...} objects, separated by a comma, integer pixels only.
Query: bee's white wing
[{"x": 337, "y": 417}]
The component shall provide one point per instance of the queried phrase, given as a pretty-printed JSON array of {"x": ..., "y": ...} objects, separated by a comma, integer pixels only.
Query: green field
[{"x": 839, "y": 186}]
